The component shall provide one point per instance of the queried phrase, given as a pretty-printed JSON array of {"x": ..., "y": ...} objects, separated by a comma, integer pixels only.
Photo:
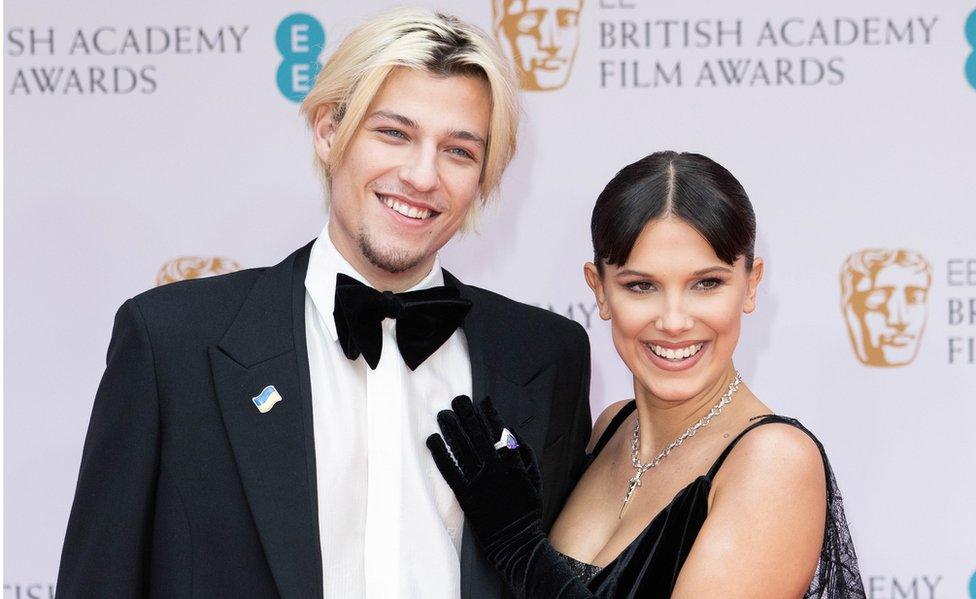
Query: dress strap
[
  {"x": 761, "y": 420},
  {"x": 615, "y": 423}
]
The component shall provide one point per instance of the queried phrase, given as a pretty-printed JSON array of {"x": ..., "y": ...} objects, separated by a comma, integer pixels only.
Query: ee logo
[
  {"x": 971, "y": 38},
  {"x": 300, "y": 39}
]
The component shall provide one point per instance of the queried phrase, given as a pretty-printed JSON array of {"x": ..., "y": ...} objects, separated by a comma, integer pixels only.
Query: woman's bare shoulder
[{"x": 777, "y": 444}]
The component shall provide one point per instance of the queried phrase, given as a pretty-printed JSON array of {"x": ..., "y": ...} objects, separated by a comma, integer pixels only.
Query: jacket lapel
[
  {"x": 274, "y": 451},
  {"x": 519, "y": 389}
]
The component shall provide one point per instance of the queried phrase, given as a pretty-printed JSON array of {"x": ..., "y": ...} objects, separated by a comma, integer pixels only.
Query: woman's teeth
[
  {"x": 408, "y": 211},
  {"x": 676, "y": 354}
]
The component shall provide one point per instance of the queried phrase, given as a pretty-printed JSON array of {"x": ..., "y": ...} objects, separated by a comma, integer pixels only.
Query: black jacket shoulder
[
  {"x": 195, "y": 310},
  {"x": 544, "y": 331}
]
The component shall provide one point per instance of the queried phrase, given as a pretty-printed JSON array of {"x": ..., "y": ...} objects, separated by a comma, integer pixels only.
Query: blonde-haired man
[{"x": 261, "y": 434}]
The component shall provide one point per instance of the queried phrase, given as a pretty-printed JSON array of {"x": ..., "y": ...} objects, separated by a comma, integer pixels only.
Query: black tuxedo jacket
[{"x": 186, "y": 490}]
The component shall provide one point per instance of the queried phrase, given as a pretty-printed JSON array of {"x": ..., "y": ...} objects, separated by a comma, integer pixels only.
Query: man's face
[
  {"x": 410, "y": 172},
  {"x": 886, "y": 315},
  {"x": 541, "y": 36}
]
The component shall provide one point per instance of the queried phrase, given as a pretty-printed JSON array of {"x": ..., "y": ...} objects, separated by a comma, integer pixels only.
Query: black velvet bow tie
[{"x": 425, "y": 320}]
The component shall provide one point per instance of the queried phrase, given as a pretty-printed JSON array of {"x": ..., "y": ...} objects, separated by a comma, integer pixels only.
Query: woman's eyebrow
[
  {"x": 697, "y": 273},
  {"x": 710, "y": 270},
  {"x": 629, "y": 272}
]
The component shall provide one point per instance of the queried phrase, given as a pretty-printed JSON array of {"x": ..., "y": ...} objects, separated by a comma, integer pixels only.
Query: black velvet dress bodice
[{"x": 649, "y": 566}]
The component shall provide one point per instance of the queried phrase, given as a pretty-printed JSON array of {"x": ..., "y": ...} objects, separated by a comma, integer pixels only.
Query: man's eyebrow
[
  {"x": 384, "y": 114},
  {"x": 410, "y": 123},
  {"x": 468, "y": 136}
]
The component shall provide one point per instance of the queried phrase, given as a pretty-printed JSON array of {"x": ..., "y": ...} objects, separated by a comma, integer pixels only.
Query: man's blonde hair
[{"x": 421, "y": 39}]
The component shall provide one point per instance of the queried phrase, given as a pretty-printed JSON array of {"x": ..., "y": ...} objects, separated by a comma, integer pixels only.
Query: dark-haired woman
[{"x": 694, "y": 488}]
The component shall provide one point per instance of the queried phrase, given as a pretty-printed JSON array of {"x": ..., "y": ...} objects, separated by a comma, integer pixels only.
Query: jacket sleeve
[
  {"x": 108, "y": 540},
  {"x": 582, "y": 420}
]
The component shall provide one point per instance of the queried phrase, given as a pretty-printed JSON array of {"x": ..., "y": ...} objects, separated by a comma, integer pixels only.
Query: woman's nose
[{"x": 674, "y": 320}]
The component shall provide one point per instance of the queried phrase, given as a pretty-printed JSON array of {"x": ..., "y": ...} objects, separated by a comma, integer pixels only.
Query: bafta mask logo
[
  {"x": 884, "y": 295},
  {"x": 194, "y": 267},
  {"x": 540, "y": 37}
]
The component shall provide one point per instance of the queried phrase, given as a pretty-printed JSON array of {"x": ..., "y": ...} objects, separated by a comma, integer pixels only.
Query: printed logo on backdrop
[
  {"x": 540, "y": 37},
  {"x": 300, "y": 38},
  {"x": 885, "y": 304},
  {"x": 971, "y": 38},
  {"x": 972, "y": 581},
  {"x": 194, "y": 267},
  {"x": 586, "y": 312},
  {"x": 30, "y": 590},
  {"x": 108, "y": 59},
  {"x": 903, "y": 587},
  {"x": 884, "y": 298},
  {"x": 641, "y": 46}
]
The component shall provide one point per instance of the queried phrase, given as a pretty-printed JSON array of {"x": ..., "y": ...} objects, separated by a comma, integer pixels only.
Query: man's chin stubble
[{"x": 391, "y": 261}]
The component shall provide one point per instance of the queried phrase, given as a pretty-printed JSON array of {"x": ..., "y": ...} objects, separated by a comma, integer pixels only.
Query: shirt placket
[{"x": 384, "y": 407}]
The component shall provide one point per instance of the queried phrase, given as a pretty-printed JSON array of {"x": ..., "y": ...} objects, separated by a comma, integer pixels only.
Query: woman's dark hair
[{"x": 691, "y": 187}]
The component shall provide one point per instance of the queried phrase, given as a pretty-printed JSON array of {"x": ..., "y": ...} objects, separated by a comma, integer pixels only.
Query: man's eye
[
  {"x": 395, "y": 133},
  {"x": 462, "y": 153},
  {"x": 640, "y": 286},
  {"x": 709, "y": 284}
]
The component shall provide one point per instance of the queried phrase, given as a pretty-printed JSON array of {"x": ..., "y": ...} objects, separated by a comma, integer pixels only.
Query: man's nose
[{"x": 420, "y": 171}]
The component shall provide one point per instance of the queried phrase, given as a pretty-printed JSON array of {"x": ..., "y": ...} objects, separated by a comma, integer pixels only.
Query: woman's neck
[{"x": 663, "y": 421}]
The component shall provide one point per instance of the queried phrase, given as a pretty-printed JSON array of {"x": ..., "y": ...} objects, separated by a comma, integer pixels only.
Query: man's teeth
[
  {"x": 408, "y": 211},
  {"x": 676, "y": 354}
]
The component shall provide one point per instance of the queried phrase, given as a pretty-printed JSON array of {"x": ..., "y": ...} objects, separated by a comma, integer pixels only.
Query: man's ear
[
  {"x": 754, "y": 277},
  {"x": 595, "y": 281},
  {"x": 324, "y": 131}
]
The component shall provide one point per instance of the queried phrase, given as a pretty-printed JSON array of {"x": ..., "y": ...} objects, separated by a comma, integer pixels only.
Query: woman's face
[{"x": 675, "y": 309}]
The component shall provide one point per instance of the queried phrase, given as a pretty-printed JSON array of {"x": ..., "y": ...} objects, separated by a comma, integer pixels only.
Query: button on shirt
[{"x": 389, "y": 525}]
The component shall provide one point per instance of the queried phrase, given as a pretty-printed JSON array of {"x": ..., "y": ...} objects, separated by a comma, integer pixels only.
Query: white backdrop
[{"x": 851, "y": 127}]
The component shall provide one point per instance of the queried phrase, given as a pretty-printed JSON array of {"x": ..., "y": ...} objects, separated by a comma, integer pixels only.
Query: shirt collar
[{"x": 325, "y": 262}]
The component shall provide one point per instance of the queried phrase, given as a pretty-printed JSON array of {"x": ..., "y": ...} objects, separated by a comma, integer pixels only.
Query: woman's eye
[
  {"x": 709, "y": 284},
  {"x": 640, "y": 286}
]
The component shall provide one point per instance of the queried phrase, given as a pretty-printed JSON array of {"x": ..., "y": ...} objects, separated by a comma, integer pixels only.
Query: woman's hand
[
  {"x": 499, "y": 491},
  {"x": 496, "y": 488}
]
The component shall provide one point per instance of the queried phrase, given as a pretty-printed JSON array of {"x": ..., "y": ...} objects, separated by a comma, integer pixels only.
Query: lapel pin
[{"x": 266, "y": 400}]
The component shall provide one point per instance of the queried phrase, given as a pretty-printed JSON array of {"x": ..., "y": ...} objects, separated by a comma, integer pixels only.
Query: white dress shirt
[{"x": 389, "y": 524}]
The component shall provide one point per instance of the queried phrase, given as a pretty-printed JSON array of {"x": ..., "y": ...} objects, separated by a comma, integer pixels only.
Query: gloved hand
[
  {"x": 496, "y": 488},
  {"x": 499, "y": 491}
]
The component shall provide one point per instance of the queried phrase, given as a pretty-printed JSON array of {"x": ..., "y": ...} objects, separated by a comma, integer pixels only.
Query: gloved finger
[
  {"x": 512, "y": 459},
  {"x": 527, "y": 456},
  {"x": 474, "y": 426},
  {"x": 445, "y": 463},
  {"x": 493, "y": 421},
  {"x": 459, "y": 443}
]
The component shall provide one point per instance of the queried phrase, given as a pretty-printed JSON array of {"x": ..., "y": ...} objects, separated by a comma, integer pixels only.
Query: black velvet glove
[{"x": 499, "y": 491}]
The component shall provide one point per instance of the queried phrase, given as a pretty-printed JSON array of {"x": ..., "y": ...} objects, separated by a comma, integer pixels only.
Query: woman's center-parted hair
[
  {"x": 421, "y": 39},
  {"x": 688, "y": 186}
]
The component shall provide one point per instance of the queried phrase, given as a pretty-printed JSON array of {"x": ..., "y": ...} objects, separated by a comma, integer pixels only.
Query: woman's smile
[{"x": 675, "y": 356}]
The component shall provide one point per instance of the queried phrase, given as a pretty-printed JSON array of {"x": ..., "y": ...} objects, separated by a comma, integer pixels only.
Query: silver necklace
[{"x": 635, "y": 440}]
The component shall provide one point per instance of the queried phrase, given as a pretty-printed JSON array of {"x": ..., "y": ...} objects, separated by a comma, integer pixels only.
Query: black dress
[{"x": 649, "y": 566}]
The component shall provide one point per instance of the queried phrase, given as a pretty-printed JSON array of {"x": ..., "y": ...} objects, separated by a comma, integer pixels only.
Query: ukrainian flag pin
[{"x": 266, "y": 400}]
